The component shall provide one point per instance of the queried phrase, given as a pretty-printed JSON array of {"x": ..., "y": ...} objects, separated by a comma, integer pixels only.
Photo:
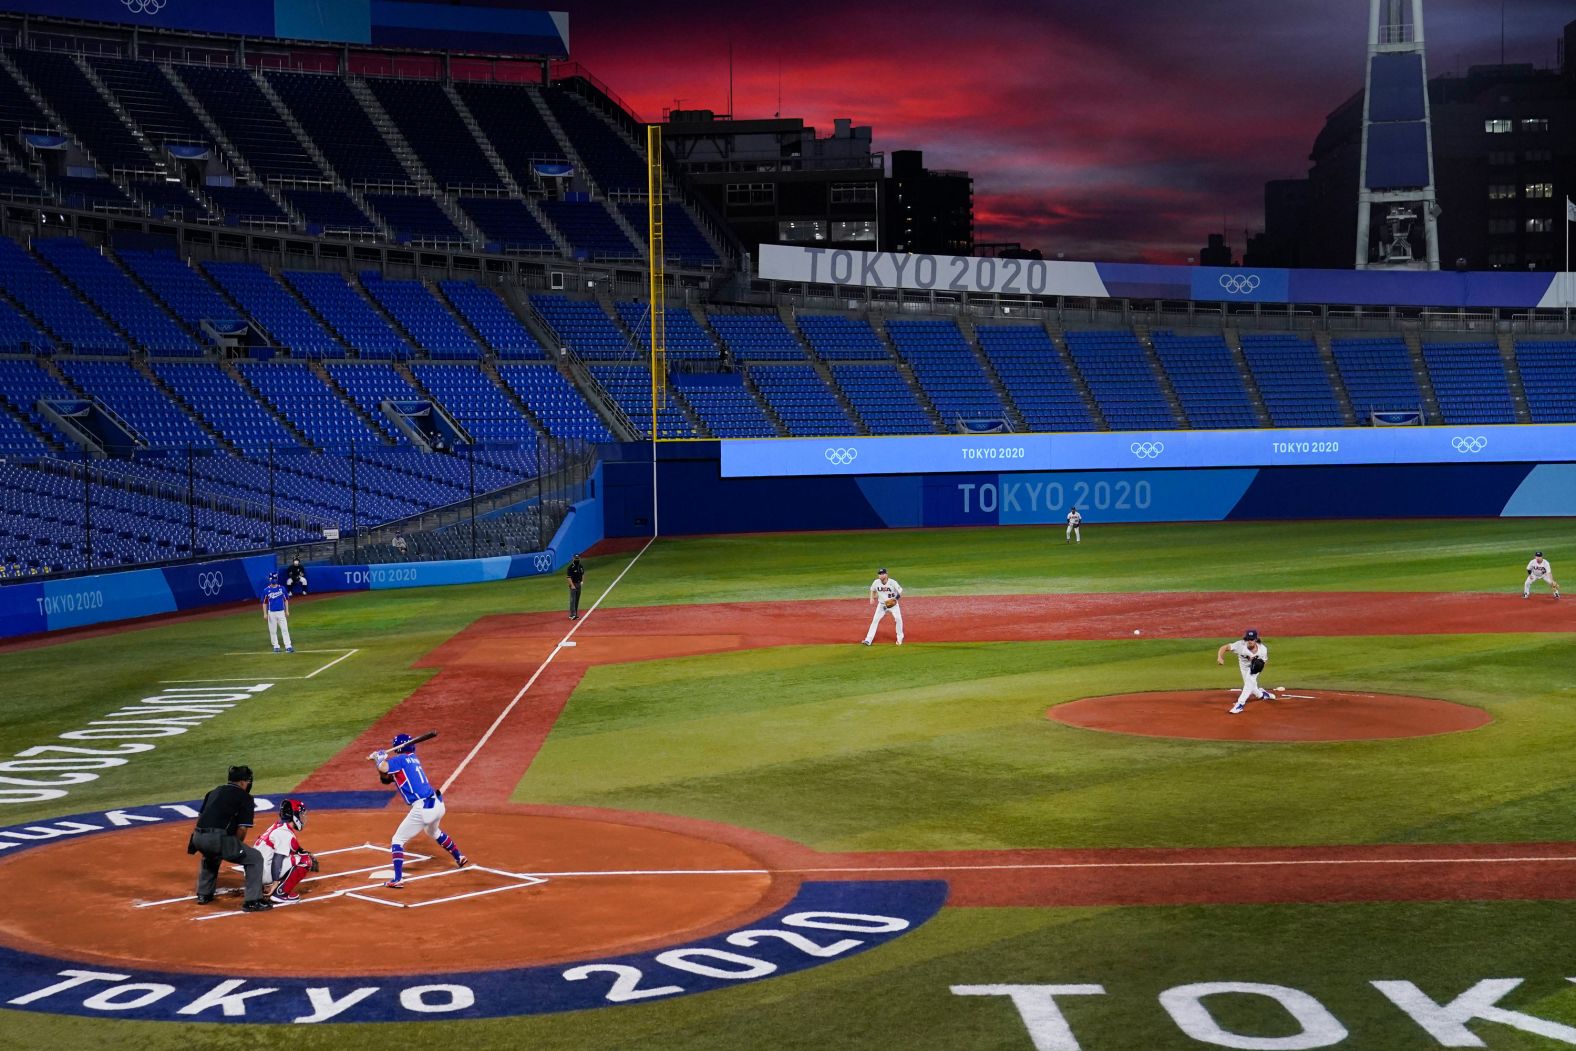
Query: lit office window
[
  {"x": 1539, "y": 226},
  {"x": 1501, "y": 192},
  {"x": 1540, "y": 190},
  {"x": 1535, "y": 124},
  {"x": 1497, "y": 126}
]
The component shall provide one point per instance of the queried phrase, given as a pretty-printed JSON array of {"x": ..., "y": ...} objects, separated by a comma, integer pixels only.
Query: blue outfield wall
[
  {"x": 697, "y": 498},
  {"x": 74, "y": 602}
]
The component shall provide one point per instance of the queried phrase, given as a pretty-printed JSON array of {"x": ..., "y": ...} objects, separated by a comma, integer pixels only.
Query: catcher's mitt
[
  {"x": 314, "y": 861},
  {"x": 889, "y": 603},
  {"x": 1256, "y": 665}
]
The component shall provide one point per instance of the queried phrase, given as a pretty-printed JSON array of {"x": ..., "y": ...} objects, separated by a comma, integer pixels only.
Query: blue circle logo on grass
[{"x": 824, "y": 922}]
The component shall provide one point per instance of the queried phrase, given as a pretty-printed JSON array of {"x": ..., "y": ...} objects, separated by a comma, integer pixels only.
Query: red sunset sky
[{"x": 1125, "y": 130}]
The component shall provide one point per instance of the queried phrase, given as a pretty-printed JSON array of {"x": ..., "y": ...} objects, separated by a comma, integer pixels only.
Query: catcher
[
  {"x": 285, "y": 861},
  {"x": 885, "y": 595},
  {"x": 1252, "y": 655}
]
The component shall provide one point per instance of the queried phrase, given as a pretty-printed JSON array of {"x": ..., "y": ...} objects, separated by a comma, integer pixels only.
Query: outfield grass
[{"x": 941, "y": 746}]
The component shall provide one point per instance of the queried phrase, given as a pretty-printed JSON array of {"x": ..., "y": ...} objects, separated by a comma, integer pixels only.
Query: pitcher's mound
[{"x": 1299, "y": 714}]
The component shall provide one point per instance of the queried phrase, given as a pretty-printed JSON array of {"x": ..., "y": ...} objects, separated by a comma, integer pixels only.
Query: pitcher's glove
[
  {"x": 889, "y": 603},
  {"x": 1256, "y": 665}
]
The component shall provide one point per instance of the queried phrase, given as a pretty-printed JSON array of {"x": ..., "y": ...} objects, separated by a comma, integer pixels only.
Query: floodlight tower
[{"x": 1397, "y": 166}]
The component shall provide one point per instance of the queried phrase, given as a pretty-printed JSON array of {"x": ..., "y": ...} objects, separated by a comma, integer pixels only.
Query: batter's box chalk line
[
  {"x": 410, "y": 858},
  {"x": 517, "y": 881}
]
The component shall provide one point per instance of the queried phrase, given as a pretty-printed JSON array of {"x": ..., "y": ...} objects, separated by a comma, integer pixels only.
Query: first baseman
[
  {"x": 276, "y": 613},
  {"x": 1074, "y": 534},
  {"x": 400, "y": 767},
  {"x": 885, "y": 594},
  {"x": 1252, "y": 655},
  {"x": 1539, "y": 569}
]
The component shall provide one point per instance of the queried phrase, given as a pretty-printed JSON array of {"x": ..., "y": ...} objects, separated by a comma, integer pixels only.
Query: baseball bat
[{"x": 408, "y": 745}]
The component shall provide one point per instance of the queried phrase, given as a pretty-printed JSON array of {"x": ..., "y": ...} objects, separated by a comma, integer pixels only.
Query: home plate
[
  {"x": 568, "y": 642},
  {"x": 381, "y": 874}
]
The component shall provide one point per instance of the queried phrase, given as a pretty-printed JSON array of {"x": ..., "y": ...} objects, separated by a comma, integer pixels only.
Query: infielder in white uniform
[
  {"x": 1248, "y": 649},
  {"x": 1074, "y": 520},
  {"x": 886, "y": 595},
  {"x": 1539, "y": 569}
]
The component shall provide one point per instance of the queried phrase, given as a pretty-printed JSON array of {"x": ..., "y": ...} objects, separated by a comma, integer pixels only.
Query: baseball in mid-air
[{"x": 1137, "y": 631}]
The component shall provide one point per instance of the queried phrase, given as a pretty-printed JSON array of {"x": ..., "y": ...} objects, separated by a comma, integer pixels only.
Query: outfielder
[
  {"x": 1252, "y": 655},
  {"x": 276, "y": 613},
  {"x": 885, "y": 594},
  {"x": 1539, "y": 569},
  {"x": 285, "y": 861},
  {"x": 1074, "y": 520},
  {"x": 400, "y": 767}
]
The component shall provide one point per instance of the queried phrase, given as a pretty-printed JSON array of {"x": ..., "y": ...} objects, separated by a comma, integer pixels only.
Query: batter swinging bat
[{"x": 408, "y": 745}]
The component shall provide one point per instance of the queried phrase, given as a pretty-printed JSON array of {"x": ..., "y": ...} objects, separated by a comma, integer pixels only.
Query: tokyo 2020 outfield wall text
[
  {"x": 1044, "y": 277},
  {"x": 698, "y": 497}
]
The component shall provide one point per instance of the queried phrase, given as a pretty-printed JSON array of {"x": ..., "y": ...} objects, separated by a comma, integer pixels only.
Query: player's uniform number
[{"x": 718, "y": 963}]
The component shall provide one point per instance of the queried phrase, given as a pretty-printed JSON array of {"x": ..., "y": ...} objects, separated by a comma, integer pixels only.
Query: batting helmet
[
  {"x": 293, "y": 813},
  {"x": 400, "y": 739},
  {"x": 1251, "y": 635}
]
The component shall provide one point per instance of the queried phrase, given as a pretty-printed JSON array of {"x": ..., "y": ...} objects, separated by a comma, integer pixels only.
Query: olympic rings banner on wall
[{"x": 73, "y": 602}]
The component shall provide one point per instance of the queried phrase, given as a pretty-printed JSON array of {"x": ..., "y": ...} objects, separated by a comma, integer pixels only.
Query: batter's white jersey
[{"x": 1540, "y": 569}]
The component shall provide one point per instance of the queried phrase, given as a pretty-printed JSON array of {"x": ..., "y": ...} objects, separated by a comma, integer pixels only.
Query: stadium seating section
[
  {"x": 947, "y": 370},
  {"x": 1292, "y": 381},
  {"x": 1036, "y": 378},
  {"x": 1206, "y": 379},
  {"x": 1378, "y": 375},
  {"x": 1121, "y": 379},
  {"x": 1548, "y": 376},
  {"x": 1469, "y": 382}
]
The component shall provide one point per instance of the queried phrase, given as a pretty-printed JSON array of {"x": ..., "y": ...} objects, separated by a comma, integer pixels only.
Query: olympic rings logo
[
  {"x": 145, "y": 7},
  {"x": 543, "y": 562},
  {"x": 1147, "y": 450},
  {"x": 841, "y": 457},
  {"x": 1468, "y": 443},
  {"x": 210, "y": 584},
  {"x": 1239, "y": 284}
]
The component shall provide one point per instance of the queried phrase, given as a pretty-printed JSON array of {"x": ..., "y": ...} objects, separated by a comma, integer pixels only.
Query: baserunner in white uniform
[
  {"x": 1074, "y": 520},
  {"x": 886, "y": 594},
  {"x": 1248, "y": 650},
  {"x": 1539, "y": 569}
]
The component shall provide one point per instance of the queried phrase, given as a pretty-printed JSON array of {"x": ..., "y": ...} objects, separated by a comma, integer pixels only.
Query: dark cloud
[{"x": 1125, "y": 130}]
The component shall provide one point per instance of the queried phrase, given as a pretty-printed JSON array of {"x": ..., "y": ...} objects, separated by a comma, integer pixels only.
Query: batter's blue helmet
[{"x": 400, "y": 739}]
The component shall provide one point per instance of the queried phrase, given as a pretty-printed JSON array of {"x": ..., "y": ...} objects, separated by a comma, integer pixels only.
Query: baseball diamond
[{"x": 666, "y": 523}]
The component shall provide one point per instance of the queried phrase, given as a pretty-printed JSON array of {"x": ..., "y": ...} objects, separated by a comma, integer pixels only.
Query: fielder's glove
[
  {"x": 1256, "y": 665},
  {"x": 889, "y": 603},
  {"x": 314, "y": 861}
]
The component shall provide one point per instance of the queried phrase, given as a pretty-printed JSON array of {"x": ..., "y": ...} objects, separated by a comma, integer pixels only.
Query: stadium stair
[
  {"x": 1146, "y": 341},
  {"x": 1518, "y": 391},
  {"x": 468, "y": 119},
  {"x": 779, "y": 424},
  {"x": 1414, "y": 350},
  {"x": 909, "y": 379},
  {"x": 34, "y": 96},
  {"x": 1332, "y": 371},
  {"x": 401, "y": 147},
  {"x": 219, "y": 440},
  {"x": 376, "y": 425},
  {"x": 61, "y": 88},
  {"x": 822, "y": 370},
  {"x": 1091, "y": 403},
  {"x": 1261, "y": 412},
  {"x": 568, "y": 147},
  {"x": 971, "y": 339},
  {"x": 232, "y": 157}
]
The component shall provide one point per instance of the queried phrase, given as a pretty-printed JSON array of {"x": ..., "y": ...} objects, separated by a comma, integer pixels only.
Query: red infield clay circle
[
  {"x": 1299, "y": 714},
  {"x": 568, "y": 917}
]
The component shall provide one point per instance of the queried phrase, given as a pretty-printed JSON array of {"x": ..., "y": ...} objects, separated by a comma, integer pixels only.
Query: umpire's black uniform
[
  {"x": 225, "y": 811},
  {"x": 295, "y": 578},
  {"x": 577, "y": 575}
]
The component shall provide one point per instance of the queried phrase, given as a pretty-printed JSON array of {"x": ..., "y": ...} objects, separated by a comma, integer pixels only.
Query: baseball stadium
[{"x": 482, "y": 567}]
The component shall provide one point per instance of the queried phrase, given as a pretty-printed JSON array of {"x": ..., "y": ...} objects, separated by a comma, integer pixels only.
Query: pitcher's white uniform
[
  {"x": 1539, "y": 569},
  {"x": 884, "y": 589},
  {"x": 1250, "y": 682},
  {"x": 1074, "y": 520}
]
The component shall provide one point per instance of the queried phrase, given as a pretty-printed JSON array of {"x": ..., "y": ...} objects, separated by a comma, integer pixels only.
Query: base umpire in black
[
  {"x": 577, "y": 575},
  {"x": 218, "y": 838}
]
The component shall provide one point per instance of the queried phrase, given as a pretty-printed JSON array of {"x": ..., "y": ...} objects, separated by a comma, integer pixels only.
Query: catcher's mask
[{"x": 293, "y": 813}]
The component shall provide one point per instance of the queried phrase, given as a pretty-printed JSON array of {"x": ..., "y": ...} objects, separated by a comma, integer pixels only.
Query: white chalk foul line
[
  {"x": 359, "y": 892},
  {"x": 410, "y": 858},
  {"x": 343, "y": 654},
  {"x": 541, "y": 668}
]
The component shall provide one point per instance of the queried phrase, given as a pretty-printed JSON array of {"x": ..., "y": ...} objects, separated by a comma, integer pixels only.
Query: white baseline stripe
[
  {"x": 331, "y": 663},
  {"x": 540, "y": 669}
]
